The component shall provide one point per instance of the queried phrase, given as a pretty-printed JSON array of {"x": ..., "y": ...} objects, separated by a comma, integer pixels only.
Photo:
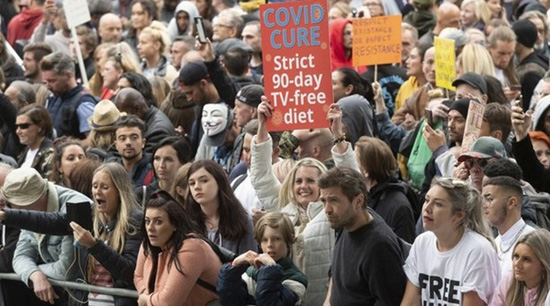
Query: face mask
[{"x": 214, "y": 118}]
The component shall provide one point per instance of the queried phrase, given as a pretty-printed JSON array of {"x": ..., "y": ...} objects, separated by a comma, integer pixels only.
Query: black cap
[
  {"x": 473, "y": 79},
  {"x": 251, "y": 95},
  {"x": 192, "y": 73}
]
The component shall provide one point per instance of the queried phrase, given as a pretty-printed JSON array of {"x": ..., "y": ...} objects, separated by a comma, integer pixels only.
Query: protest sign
[
  {"x": 445, "y": 72},
  {"x": 77, "y": 13},
  {"x": 376, "y": 40},
  {"x": 473, "y": 124},
  {"x": 296, "y": 60}
]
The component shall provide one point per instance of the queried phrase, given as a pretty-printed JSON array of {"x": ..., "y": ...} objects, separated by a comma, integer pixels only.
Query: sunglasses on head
[
  {"x": 450, "y": 182},
  {"x": 23, "y": 126},
  {"x": 470, "y": 163}
]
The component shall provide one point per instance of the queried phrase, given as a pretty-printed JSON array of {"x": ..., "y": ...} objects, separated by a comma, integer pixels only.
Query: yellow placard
[
  {"x": 376, "y": 40},
  {"x": 445, "y": 72}
]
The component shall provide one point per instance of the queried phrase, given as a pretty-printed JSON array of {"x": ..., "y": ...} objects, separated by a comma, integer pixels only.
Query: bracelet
[{"x": 337, "y": 140}]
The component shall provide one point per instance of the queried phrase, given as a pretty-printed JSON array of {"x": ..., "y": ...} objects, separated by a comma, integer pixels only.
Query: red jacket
[
  {"x": 22, "y": 26},
  {"x": 337, "y": 52}
]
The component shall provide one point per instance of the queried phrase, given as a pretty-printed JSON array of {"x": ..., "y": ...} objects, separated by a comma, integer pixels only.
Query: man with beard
[
  {"x": 32, "y": 55},
  {"x": 158, "y": 126},
  {"x": 366, "y": 249},
  {"x": 69, "y": 106},
  {"x": 468, "y": 85},
  {"x": 129, "y": 143}
]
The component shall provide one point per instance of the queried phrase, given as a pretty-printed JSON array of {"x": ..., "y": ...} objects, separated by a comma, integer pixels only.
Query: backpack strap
[
  {"x": 238, "y": 181},
  {"x": 206, "y": 285},
  {"x": 224, "y": 255}
]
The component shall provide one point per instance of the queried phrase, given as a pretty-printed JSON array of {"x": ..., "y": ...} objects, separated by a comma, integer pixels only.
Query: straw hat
[{"x": 105, "y": 116}]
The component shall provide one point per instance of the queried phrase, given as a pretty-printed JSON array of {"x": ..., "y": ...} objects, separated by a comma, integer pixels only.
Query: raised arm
[{"x": 262, "y": 177}]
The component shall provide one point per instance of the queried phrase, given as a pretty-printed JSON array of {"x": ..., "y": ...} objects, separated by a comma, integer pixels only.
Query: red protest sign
[{"x": 296, "y": 60}]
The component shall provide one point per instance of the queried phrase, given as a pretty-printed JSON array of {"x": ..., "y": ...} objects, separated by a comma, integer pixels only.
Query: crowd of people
[{"x": 413, "y": 194}]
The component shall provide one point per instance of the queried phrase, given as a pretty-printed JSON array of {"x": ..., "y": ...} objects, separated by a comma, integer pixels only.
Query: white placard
[{"x": 77, "y": 12}]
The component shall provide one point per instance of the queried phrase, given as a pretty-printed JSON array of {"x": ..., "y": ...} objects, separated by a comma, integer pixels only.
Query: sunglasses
[
  {"x": 470, "y": 163},
  {"x": 449, "y": 182},
  {"x": 23, "y": 126}
]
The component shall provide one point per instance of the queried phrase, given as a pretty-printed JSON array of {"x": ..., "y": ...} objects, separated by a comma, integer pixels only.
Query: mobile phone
[
  {"x": 80, "y": 213},
  {"x": 520, "y": 101},
  {"x": 429, "y": 117},
  {"x": 200, "y": 30}
]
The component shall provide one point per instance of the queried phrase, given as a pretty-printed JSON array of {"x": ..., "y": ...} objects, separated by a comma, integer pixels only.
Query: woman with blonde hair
[
  {"x": 475, "y": 58},
  {"x": 339, "y": 10},
  {"x": 107, "y": 253},
  {"x": 528, "y": 285},
  {"x": 96, "y": 81},
  {"x": 102, "y": 124},
  {"x": 457, "y": 248},
  {"x": 41, "y": 92},
  {"x": 161, "y": 88},
  {"x": 180, "y": 188},
  {"x": 152, "y": 49},
  {"x": 117, "y": 60},
  {"x": 475, "y": 13}
]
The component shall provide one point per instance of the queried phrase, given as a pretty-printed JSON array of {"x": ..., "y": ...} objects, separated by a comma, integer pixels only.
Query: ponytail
[{"x": 468, "y": 200}]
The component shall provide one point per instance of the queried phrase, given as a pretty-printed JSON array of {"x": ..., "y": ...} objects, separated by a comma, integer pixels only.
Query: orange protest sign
[
  {"x": 376, "y": 40},
  {"x": 296, "y": 61}
]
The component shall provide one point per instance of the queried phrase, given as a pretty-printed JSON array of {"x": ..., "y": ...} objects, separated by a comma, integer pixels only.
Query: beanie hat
[
  {"x": 526, "y": 33},
  {"x": 461, "y": 106}
]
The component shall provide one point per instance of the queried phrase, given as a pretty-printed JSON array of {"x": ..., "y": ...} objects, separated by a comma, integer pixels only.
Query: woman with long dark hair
[
  {"x": 174, "y": 260},
  {"x": 212, "y": 204}
]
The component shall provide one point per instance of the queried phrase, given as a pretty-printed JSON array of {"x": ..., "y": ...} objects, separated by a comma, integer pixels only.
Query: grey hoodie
[
  {"x": 191, "y": 10},
  {"x": 540, "y": 110},
  {"x": 357, "y": 116}
]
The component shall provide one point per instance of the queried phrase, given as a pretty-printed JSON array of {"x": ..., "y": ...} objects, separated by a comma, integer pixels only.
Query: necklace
[{"x": 513, "y": 241}]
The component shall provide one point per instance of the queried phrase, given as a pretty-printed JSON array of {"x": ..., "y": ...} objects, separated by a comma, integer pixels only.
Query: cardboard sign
[
  {"x": 376, "y": 40},
  {"x": 77, "y": 12},
  {"x": 296, "y": 60},
  {"x": 445, "y": 72},
  {"x": 473, "y": 124}
]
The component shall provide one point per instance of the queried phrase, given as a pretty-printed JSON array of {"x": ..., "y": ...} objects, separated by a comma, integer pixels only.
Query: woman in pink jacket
[{"x": 175, "y": 265}]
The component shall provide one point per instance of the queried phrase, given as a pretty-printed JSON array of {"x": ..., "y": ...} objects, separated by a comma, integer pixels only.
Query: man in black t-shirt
[{"x": 368, "y": 257}]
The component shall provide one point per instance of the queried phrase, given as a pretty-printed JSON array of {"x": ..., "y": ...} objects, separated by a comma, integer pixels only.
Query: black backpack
[{"x": 413, "y": 196}]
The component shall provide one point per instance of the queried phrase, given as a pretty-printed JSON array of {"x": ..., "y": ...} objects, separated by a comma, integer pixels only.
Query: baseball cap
[
  {"x": 231, "y": 43},
  {"x": 192, "y": 73},
  {"x": 251, "y": 95},
  {"x": 485, "y": 147},
  {"x": 473, "y": 79}
]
